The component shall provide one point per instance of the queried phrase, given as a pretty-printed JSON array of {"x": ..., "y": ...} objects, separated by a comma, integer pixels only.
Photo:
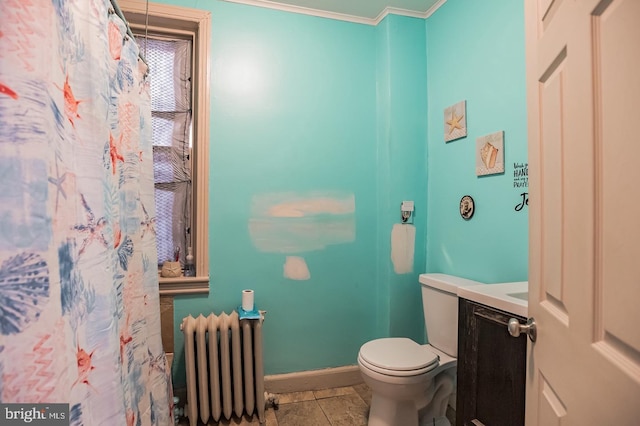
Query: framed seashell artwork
[
  {"x": 455, "y": 121},
  {"x": 490, "y": 154}
]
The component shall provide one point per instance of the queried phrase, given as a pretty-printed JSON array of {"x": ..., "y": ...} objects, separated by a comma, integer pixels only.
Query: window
[
  {"x": 177, "y": 49},
  {"x": 170, "y": 65}
]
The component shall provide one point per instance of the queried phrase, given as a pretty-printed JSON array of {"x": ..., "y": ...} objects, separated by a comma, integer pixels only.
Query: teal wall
[
  {"x": 401, "y": 171},
  {"x": 303, "y": 104},
  {"x": 475, "y": 52},
  {"x": 295, "y": 109},
  {"x": 308, "y": 124}
]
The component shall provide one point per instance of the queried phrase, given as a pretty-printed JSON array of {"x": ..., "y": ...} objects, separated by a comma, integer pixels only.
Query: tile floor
[{"x": 345, "y": 406}]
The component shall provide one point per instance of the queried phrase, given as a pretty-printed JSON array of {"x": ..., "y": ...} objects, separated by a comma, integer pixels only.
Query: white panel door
[{"x": 583, "y": 88}]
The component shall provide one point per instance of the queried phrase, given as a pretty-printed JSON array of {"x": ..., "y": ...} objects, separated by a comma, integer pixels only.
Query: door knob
[{"x": 515, "y": 328}]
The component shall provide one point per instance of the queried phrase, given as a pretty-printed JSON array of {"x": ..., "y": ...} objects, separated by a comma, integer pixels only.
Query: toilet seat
[{"x": 397, "y": 356}]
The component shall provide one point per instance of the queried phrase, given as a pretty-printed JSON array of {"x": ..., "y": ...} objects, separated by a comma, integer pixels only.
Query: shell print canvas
[{"x": 490, "y": 154}]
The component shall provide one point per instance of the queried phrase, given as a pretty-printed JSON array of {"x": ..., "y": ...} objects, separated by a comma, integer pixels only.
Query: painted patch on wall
[
  {"x": 292, "y": 223},
  {"x": 403, "y": 243},
  {"x": 295, "y": 268},
  {"x": 296, "y": 223}
]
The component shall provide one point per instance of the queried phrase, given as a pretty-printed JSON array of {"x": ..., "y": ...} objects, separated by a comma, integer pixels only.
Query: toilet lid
[{"x": 398, "y": 354}]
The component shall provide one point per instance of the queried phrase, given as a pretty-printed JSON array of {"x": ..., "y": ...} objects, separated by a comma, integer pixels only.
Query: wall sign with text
[
  {"x": 520, "y": 175},
  {"x": 521, "y": 180},
  {"x": 524, "y": 201}
]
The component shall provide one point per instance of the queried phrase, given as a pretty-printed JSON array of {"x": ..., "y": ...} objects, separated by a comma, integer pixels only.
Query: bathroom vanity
[{"x": 491, "y": 363}]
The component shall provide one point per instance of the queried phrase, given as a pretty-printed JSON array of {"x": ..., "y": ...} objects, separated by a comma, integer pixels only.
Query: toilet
[{"x": 411, "y": 384}]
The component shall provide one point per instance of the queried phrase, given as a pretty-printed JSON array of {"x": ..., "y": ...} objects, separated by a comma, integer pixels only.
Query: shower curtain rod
[{"x": 118, "y": 12}]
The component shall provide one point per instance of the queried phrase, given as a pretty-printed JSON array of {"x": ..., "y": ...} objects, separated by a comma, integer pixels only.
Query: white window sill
[{"x": 184, "y": 285}]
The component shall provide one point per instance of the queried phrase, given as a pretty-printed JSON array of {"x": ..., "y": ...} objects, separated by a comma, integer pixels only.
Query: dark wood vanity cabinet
[{"x": 491, "y": 368}]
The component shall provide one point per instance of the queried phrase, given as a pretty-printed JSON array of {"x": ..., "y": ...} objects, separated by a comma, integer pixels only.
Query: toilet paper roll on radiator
[{"x": 247, "y": 300}]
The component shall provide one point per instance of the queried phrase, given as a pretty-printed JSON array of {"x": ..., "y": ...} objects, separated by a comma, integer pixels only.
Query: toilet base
[
  {"x": 386, "y": 412},
  {"x": 409, "y": 404},
  {"x": 441, "y": 421},
  {"x": 391, "y": 413}
]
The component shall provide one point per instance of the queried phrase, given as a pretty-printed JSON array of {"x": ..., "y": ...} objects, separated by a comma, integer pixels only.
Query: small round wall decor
[{"x": 467, "y": 207}]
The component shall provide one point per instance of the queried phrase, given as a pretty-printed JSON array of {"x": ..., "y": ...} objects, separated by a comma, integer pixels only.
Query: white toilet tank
[{"x": 440, "y": 306}]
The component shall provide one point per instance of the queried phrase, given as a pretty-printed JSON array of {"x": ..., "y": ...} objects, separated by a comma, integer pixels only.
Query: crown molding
[
  {"x": 409, "y": 13},
  {"x": 398, "y": 11},
  {"x": 340, "y": 16},
  {"x": 433, "y": 8},
  {"x": 305, "y": 11}
]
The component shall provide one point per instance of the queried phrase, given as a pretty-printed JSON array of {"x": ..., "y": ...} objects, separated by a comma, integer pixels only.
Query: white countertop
[{"x": 508, "y": 297}]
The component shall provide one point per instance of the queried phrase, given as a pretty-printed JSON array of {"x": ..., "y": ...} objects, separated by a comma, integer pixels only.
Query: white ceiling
[{"x": 365, "y": 11}]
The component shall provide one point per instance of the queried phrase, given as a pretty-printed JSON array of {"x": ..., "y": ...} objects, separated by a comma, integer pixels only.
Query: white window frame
[{"x": 182, "y": 20}]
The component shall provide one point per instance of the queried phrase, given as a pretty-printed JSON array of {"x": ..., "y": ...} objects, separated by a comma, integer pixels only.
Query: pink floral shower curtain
[{"x": 79, "y": 316}]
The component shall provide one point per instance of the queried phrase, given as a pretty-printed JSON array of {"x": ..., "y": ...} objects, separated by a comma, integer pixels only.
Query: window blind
[{"x": 170, "y": 68}]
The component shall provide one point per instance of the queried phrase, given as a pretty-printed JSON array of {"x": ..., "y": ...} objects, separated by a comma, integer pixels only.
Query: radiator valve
[{"x": 271, "y": 400}]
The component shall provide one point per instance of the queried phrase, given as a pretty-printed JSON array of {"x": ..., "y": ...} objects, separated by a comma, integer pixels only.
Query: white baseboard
[
  {"x": 300, "y": 381},
  {"x": 313, "y": 379}
]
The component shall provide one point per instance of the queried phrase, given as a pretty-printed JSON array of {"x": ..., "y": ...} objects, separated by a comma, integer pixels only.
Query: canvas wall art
[
  {"x": 490, "y": 154},
  {"x": 455, "y": 121}
]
